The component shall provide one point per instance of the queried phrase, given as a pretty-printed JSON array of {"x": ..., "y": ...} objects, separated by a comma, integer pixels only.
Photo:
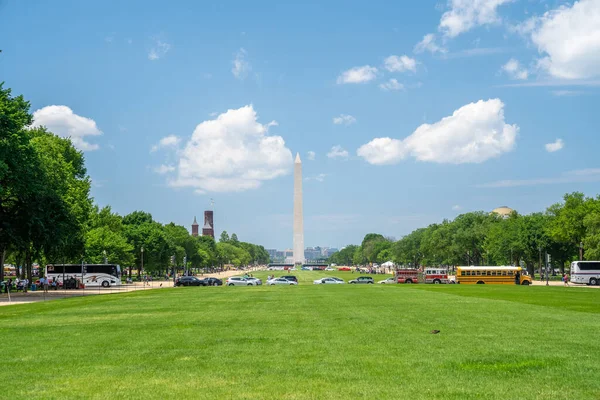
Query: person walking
[{"x": 566, "y": 279}]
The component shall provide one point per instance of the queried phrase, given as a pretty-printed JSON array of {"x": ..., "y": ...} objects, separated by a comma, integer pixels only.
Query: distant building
[
  {"x": 209, "y": 227},
  {"x": 330, "y": 251},
  {"x": 195, "y": 227},
  {"x": 312, "y": 253},
  {"x": 503, "y": 211}
]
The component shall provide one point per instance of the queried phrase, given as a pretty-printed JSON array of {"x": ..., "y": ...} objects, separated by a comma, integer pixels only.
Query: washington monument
[{"x": 298, "y": 216}]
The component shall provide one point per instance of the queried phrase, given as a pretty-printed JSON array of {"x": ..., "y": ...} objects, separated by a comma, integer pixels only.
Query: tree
[
  {"x": 224, "y": 237},
  {"x": 103, "y": 239},
  {"x": 234, "y": 240}
]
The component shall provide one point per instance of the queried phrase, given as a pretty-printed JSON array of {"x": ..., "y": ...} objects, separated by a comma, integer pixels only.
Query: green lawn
[{"x": 307, "y": 342}]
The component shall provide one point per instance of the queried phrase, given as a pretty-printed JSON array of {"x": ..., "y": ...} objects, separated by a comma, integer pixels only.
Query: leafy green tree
[
  {"x": 234, "y": 240},
  {"x": 103, "y": 239},
  {"x": 224, "y": 237}
]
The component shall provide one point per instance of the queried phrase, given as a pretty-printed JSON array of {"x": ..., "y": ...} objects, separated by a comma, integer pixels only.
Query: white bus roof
[{"x": 477, "y": 267}]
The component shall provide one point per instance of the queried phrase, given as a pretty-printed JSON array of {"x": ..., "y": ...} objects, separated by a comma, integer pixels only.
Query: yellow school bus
[{"x": 492, "y": 275}]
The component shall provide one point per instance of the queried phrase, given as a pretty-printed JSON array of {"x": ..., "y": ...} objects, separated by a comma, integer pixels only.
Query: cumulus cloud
[
  {"x": 241, "y": 66},
  {"x": 337, "y": 152},
  {"x": 474, "y": 133},
  {"x": 555, "y": 146},
  {"x": 62, "y": 121},
  {"x": 569, "y": 39},
  {"x": 514, "y": 70},
  {"x": 400, "y": 64},
  {"x": 311, "y": 155},
  {"x": 344, "y": 119},
  {"x": 318, "y": 178},
  {"x": 358, "y": 75},
  {"x": 158, "y": 50},
  {"x": 167, "y": 141},
  {"x": 164, "y": 169},
  {"x": 428, "y": 44},
  {"x": 465, "y": 15},
  {"x": 231, "y": 153},
  {"x": 391, "y": 84}
]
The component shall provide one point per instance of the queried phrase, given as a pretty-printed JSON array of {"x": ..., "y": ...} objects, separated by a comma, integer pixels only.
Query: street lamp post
[
  {"x": 104, "y": 254},
  {"x": 142, "y": 267},
  {"x": 540, "y": 252},
  {"x": 580, "y": 251}
]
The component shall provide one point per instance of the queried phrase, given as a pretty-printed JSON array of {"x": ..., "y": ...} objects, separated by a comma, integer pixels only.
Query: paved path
[{"x": 30, "y": 297}]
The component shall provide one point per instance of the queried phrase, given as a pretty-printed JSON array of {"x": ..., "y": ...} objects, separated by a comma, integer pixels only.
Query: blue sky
[{"x": 426, "y": 109}]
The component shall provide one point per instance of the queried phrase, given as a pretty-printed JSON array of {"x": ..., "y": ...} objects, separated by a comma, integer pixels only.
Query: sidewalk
[{"x": 31, "y": 297}]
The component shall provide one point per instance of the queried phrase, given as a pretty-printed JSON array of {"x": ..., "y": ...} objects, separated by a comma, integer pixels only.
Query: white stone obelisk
[{"x": 298, "y": 215}]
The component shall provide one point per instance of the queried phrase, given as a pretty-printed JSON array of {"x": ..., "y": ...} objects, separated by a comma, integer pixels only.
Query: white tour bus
[
  {"x": 587, "y": 272},
  {"x": 104, "y": 275}
]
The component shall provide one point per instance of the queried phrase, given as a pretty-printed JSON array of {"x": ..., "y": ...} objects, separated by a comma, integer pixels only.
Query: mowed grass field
[{"x": 307, "y": 342}]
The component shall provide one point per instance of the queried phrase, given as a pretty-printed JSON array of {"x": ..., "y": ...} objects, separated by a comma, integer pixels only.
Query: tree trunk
[
  {"x": 2, "y": 257},
  {"x": 28, "y": 264}
]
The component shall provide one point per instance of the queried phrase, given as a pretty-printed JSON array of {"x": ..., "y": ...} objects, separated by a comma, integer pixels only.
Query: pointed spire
[
  {"x": 298, "y": 161},
  {"x": 195, "y": 223}
]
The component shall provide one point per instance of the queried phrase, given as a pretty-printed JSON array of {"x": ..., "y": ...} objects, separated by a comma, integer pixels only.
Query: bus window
[
  {"x": 503, "y": 273},
  {"x": 493, "y": 273},
  {"x": 510, "y": 273},
  {"x": 462, "y": 273},
  {"x": 488, "y": 273}
]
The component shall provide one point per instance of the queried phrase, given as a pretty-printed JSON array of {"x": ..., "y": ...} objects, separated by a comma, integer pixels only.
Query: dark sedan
[
  {"x": 211, "y": 282},
  {"x": 188, "y": 281}
]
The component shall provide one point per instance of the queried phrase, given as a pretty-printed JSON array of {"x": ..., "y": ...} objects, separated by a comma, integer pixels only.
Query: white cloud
[
  {"x": 337, "y": 152},
  {"x": 514, "y": 70},
  {"x": 400, "y": 64},
  {"x": 561, "y": 93},
  {"x": 311, "y": 155},
  {"x": 318, "y": 178},
  {"x": 457, "y": 208},
  {"x": 241, "y": 67},
  {"x": 164, "y": 169},
  {"x": 428, "y": 44},
  {"x": 167, "y": 141},
  {"x": 391, "y": 84},
  {"x": 556, "y": 146},
  {"x": 569, "y": 37},
  {"x": 344, "y": 119},
  {"x": 158, "y": 50},
  {"x": 358, "y": 75},
  {"x": 474, "y": 133},
  {"x": 231, "y": 153},
  {"x": 577, "y": 176},
  {"x": 62, "y": 121},
  {"x": 465, "y": 15}
]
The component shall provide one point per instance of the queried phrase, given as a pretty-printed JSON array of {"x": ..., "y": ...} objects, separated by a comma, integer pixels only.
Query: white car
[
  {"x": 328, "y": 281},
  {"x": 329, "y": 269},
  {"x": 239, "y": 281},
  {"x": 389, "y": 280},
  {"x": 254, "y": 280},
  {"x": 280, "y": 281}
]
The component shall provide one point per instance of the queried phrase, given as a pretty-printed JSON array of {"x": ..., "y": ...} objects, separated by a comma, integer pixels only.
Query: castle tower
[
  {"x": 195, "y": 227},
  {"x": 209, "y": 227}
]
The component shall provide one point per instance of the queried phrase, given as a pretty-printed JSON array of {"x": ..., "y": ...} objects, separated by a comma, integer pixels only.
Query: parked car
[
  {"x": 256, "y": 281},
  {"x": 389, "y": 280},
  {"x": 329, "y": 269},
  {"x": 328, "y": 281},
  {"x": 290, "y": 278},
  {"x": 188, "y": 281},
  {"x": 239, "y": 281},
  {"x": 337, "y": 279},
  {"x": 362, "y": 279},
  {"x": 211, "y": 282},
  {"x": 281, "y": 281},
  {"x": 344, "y": 269},
  {"x": 306, "y": 269}
]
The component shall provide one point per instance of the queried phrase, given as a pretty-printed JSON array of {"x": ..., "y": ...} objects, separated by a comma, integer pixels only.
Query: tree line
[
  {"x": 566, "y": 231},
  {"x": 47, "y": 214}
]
